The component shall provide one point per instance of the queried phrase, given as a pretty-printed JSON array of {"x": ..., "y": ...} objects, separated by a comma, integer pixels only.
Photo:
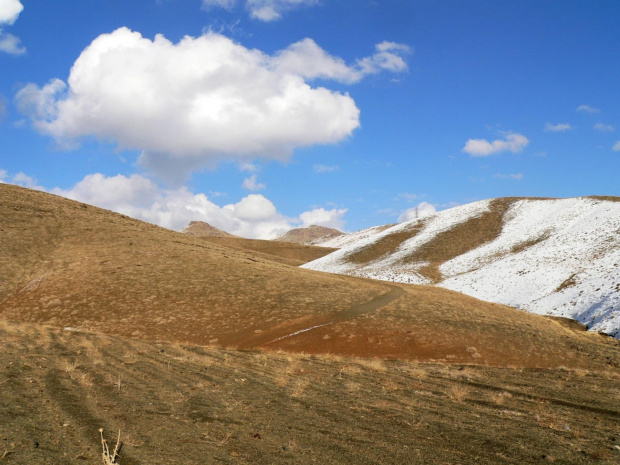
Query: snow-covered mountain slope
[
  {"x": 548, "y": 256},
  {"x": 346, "y": 239}
]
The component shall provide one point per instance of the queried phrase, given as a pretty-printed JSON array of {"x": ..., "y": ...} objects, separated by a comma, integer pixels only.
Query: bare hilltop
[{"x": 310, "y": 235}]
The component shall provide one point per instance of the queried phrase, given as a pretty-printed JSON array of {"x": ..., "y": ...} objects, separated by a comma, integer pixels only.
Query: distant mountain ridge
[
  {"x": 548, "y": 256},
  {"x": 311, "y": 235},
  {"x": 202, "y": 229}
]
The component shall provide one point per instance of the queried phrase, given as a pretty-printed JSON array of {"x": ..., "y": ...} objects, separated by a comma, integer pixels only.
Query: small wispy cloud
[
  {"x": 263, "y": 10},
  {"x": 217, "y": 194},
  {"x": 516, "y": 176},
  {"x": 3, "y": 108},
  {"x": 603, "y": 127},
  {"x": 251, "y": 184},
  {"x": 616, "y": 148},
  {"x": 483, "y": 148},
  {"x": 325, "y": 168},
  {"x": 587, "y": 109},
  {"x": 406, "y": 196},
  {"x": 20, "y": 179},
  {"x": 560, "y": 127},
  {"x": 250, "y": 167}
]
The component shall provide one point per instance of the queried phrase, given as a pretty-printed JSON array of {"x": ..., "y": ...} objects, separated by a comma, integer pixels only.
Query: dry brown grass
[
  {"x": 330, "y": 411},
  {"x": 569, "y": 282},
  {"x": 68, "y": 264},
  {"x": 63, "y": 263},
  {"x": 385, "y": 246},
  {"x": 286, "y": 253},
  {"x": 530, "y": 243},
  {"x": 373, "y": 364},
  {"x": 458, "y": 392}
]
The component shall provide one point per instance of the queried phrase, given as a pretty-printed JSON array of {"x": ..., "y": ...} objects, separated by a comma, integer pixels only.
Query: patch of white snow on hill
[
  {"x": 345, "y": 240},
  {"x": 384, "y": 268},
  {"x": 554, "y": 257},
  {"x": 574, "y": 271}
]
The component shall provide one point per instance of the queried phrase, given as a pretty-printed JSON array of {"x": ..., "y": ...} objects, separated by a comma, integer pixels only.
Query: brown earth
[
  {"x": 309, "y": 234},
  {"x": 72, "y": 265},
  {"x": 187, "y": 405}
]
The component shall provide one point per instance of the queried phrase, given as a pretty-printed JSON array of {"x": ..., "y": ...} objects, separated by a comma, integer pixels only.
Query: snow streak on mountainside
[
  {"x": 344, "y": 240},
  {"x": 548, "y": 256}
]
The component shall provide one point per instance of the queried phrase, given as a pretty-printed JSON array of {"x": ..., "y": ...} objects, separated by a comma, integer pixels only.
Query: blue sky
[{"x": 261, "y": 115}]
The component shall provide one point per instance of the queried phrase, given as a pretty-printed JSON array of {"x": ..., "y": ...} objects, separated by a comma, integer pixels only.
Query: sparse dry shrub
[
  {"x": 499, "y": 398},
  {"x": 545, "y": 417},
  {"x": 329, "y": 357},
  {"x": 601, "y": 454},
  {"x": 71, "y": 366},
  {"x": 107, "y": 457},
  {"x": 458, "y": 392},
  {"x": 389, "y": 386},
  {"x": 351, "y": 370},
  {"x": 294, "y": 367},
  {"x": 261, "y": 359},
  {"x": 374, "y": 364},
  {"x": 473, "y": 352},
  {"x": 86, "y": 379},
  {"x": 352, "y": 386},
  {"x": 299, "y": 387},
  {"x": 281, "y": 380},
  {"x": 210, "y": 436}
]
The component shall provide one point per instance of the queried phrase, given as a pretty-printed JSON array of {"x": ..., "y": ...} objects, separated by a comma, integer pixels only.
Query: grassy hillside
[
  {"x": 287, "y": 253},
  {"x": 179, "y": 404},
  {"x": 72, "y": 265}
]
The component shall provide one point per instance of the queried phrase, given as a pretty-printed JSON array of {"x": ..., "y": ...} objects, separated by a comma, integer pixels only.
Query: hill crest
[
  {"x": 548, "y": 256},
  {"x": 310, "y": 235},
  {"x": 202, "y": 229},
  {"x": 68, "y": 264}
]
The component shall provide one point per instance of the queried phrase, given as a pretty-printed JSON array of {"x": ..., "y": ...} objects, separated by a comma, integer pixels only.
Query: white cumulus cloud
[
  {"x": 560, "y": 127},
  {"x": 305, "y": 58},
  {"x": 483, "y": 148},
  {"x": 253, "y": 216},
  {"x": 137, "y": 196},
  {"x": 9, "y": 12},
  {"x": 419, "y": 211},
  {"x": 194, "y": 103},
  {"x": 321, "y": 217}
]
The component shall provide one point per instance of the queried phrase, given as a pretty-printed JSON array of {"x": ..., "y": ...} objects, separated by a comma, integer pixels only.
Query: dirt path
[{"x": 303, "y": 325}]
